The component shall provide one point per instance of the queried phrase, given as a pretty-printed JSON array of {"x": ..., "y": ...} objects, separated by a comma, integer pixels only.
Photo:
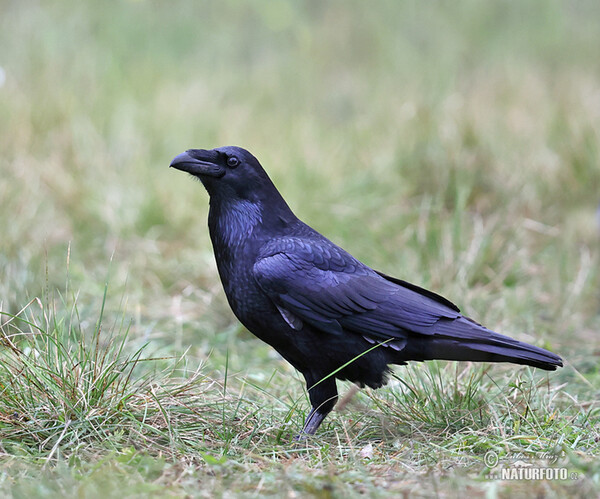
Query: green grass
[{"x": 453, "y": 145}]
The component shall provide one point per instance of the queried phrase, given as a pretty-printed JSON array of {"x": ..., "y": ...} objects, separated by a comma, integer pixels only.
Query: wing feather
[{"x": 325, "y": 286}]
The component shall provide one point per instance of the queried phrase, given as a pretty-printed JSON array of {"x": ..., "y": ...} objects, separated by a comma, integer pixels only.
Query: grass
[{"x": 455, "y": 146}]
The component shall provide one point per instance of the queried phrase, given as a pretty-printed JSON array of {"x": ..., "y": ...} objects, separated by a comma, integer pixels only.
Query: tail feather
[{"x": 463, "y": 339}]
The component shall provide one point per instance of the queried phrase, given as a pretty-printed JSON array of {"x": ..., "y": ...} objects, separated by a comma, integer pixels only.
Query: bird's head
[{"x": 230, "y": 172}]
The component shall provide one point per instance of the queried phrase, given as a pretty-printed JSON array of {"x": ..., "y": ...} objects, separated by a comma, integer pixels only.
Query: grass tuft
[{"x": 68, "y": 384}]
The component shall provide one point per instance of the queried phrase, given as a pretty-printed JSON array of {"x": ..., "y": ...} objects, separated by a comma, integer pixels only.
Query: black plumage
[{"x": 316, "y": 304}]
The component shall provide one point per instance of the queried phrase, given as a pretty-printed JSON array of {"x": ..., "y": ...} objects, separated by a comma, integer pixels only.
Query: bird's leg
[
  {"x": 313, "y": 421},
  {"x": 323, "y": 396}
]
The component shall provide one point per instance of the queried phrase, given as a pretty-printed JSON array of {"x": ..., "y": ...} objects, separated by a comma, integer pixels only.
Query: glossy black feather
[{"x": 318, "y": 306}]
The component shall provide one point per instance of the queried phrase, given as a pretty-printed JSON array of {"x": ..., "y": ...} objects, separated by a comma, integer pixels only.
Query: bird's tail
[{"x": 464, "y": 339}]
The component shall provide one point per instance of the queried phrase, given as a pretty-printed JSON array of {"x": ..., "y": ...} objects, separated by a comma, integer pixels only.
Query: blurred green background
[{"x": 452, "y": 144}]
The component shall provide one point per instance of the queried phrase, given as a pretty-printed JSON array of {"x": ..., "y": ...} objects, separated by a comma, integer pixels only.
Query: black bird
[{"x": 325, "y": 312}]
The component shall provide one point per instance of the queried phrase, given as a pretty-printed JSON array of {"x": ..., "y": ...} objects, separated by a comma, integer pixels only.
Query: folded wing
[
  {"x": 328, "y": 288},
  {"x": 318, "y": 283}
]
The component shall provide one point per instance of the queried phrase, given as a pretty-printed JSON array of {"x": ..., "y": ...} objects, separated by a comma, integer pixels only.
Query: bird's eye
[{"x": 232, "y": 161}]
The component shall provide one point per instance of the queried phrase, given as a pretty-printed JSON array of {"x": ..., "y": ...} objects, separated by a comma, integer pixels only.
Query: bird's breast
[{"x": 233, "y": 230}]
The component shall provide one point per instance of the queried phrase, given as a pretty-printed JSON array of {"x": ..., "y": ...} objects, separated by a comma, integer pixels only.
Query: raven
[{"x": 328, "y": 314}]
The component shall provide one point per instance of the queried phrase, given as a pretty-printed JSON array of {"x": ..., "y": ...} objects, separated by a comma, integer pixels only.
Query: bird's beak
[{"x": 199, "y": 162}]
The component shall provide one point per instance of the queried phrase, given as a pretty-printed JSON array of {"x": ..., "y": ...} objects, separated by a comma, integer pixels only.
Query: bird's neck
[
  {"x": 234, "y": 222},
  {"x": 231, "y": 223}
]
